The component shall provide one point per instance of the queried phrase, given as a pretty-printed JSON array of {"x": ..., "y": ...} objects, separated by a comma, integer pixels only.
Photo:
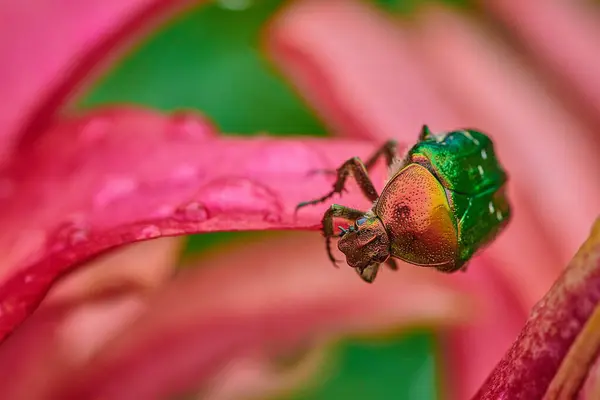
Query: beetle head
[{"x": 365, "y": 245}]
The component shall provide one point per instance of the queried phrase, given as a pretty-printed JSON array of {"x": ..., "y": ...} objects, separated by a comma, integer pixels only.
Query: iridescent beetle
[{"x": 444, "y": 201}]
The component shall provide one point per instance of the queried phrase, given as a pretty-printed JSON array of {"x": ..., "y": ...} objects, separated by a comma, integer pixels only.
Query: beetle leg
[
  {"x": 368, "y": 273},
  {"x": 392, "y": 264},
  {"x": 358, "y": 170},
  {"x": 389, "y": 150},
  {"x": 337, "y": 211}
]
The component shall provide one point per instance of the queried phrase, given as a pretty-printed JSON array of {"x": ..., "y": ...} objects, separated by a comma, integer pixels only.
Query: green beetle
[{"x": 444, "y": 201}]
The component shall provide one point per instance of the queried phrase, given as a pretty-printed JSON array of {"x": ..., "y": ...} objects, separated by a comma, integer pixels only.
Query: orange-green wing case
[{"x": 421, "y": 226}]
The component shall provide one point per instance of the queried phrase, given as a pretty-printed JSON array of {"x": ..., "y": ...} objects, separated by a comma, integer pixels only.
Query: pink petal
[
  {"x": 142, "y": 266},
  {"x": 564, "y": 37},
  {"x": 44, "y": 350},
  {"x": 556, "y": 321},
  {"x": 48, "y": 47},
  {"x": 130, "y": 175},
  {"x": 80, "y": 315},
  {"x": 224, "y": 309}
]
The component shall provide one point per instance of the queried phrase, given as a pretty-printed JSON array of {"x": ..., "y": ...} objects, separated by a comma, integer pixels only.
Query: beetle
[{"x": 444, "y": 201}]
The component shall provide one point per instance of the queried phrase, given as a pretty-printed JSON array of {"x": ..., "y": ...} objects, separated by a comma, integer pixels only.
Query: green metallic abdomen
[
  {"x": 483, "y": 218},
  {"x": 465, "y": 164}
]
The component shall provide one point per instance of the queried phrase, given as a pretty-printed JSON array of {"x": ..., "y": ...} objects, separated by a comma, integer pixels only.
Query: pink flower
[{"x": 75, "y": 186}]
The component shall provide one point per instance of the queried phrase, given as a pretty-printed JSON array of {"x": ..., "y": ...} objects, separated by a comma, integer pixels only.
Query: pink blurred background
[{"x": 234, "y": 315}]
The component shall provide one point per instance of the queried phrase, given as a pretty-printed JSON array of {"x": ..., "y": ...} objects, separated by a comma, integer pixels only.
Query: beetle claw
[{"x": 331, "y": 257}]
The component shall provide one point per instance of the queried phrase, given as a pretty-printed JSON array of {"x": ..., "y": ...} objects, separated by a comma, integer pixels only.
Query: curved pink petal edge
[
  {"x": 76, "y": 37},
  {"x": 120, "y": 176},
  {"x": 209, "y": 316},
  {"x": 531, "y": 363}
]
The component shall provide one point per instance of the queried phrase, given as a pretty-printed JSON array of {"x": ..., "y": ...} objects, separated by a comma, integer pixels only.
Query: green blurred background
[{"x": 209, "y": 59}]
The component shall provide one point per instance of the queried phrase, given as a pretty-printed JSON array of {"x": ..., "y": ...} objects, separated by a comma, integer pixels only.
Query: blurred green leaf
[
  {"x": 403, "y": 367},
  {"x": 209, "y": 59},
  {"x": 408, "y": 6}
]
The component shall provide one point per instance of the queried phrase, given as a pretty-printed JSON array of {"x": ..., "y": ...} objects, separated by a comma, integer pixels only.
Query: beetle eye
[{"x": 361, "y": 221}]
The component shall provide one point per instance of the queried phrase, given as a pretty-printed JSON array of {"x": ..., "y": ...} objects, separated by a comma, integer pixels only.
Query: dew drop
[
  {"x": 114, "y": 189},
  {"x": 149, "y": 232},
  {"x": 491, "y": 207},
  {"x": 28, "y": 278},
  {"x": 480, "y": 169},
  {"x": 70, "y": 233},
  {"x": 191, "y": 212},
  {"x": 240, "y": 195},
  {"x": 189, "y": 125},
  {"x": 285, "y": 158},
  {"x": 484, "y": 154}
]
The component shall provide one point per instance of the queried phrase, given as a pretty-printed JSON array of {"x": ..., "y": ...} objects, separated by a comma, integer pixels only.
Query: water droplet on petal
[
  {"x": 113, "y": 189},
  {"x": 190, "y": 125},
  {"x": 28, "y": 278},
  {"x": 70, "y": 233},
  {"x": 149, "y": 232},
  {"x": 285, "y": 158},
  {"x": 239, "y": 195},
  {"x": 191, "y": 212}
]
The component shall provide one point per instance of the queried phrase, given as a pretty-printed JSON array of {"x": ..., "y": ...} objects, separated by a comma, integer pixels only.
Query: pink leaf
[
  {"x": 76, "y": 36},
  {"x": 120, "y": 176}
]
